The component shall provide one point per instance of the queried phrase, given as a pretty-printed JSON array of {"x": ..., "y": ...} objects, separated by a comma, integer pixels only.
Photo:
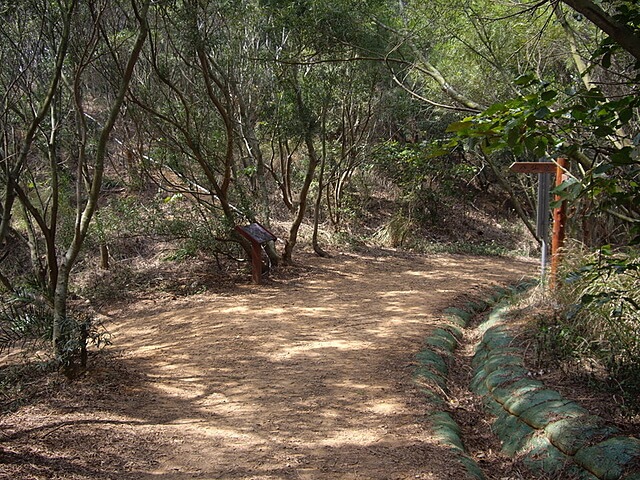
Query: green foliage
[
  {"x": 581, "y": 125},
  {"x": 122, "y": 216},
  {"x": 395, "y": 232},
  {"x": 626, "y": 12},
  {"x": 26, "y": 322},
  {"x": 520, "y": 124},
  {"x": 600, "y": 319},
  {"x": 425, "y": 181},
  {"x": 79, "y": 331},
  {"x": 326, "y": 25},
  {"x": 124, "y": 221},
  {"x": 474, "y": 44},
  {"x": 198, "y": 229}
]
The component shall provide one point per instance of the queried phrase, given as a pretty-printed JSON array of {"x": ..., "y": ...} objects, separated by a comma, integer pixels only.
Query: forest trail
[{"x": 301, "y": 378}]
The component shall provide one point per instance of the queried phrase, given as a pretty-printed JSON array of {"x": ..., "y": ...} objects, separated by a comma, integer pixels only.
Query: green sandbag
[
  {"x": 516, "y": 390},
  {"x": 479, "y": 357},
  {"x": 493, "y": 407},
  {"x": 473, "y": 470},
  {"x": 572, "y": 434},
  {"x": 429, "y": 377},
  {"x": 483, "y": 356},
  {"x": 446, "y": 429},
  {"x": 458, "y": 316},
  {"x": 475, "y": 307},
  {"x": 543, "y": 414},
  {"x": 501, "y": 361},
  {"x": 442, "y": 339},
  {"x": 430, "y": 359},
  {"x": 477, "y": 384},
  {"x": 513, "y": 433},
  {"x": 575, "y": 472},
  {"x": 432, "y": 398},
  {"x": 506, "y": 375},
  {"x": 456, "y": 330},
  {"x": 610, "y": 459},
  {"x": 543, "y": 456},
  {"x": 518, "y": 403},
  {"x": 497, "y": 337}
]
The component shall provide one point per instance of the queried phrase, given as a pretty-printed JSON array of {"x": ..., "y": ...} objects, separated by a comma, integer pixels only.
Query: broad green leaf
[
  {"x": 625, "y": 115},
  {"x": 525, "y": 80},
  {"x": 623, "y": 157},
  {"x": 549, "y": 95},
  {"x": 459, "y": 126},
  {"x": 542, "y": 112},
  {"x": 605, "y": 168},
  {"x": 603, "y": 131}
]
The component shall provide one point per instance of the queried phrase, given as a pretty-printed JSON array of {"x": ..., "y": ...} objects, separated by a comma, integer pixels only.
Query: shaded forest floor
[{"x": 308, "y": 376}]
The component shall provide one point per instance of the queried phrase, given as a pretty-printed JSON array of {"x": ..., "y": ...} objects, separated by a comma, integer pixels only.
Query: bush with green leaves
[
  {"x": 599, "y": 318},
  {"x": 425, "y": 182},
  {"x": 593, "y": 122},
  {"x": 584, "y": 125},
  {"x": 26, "y": 322},
  {"x": 605, "y": 290},
  {"x": 170, "y": 216}
]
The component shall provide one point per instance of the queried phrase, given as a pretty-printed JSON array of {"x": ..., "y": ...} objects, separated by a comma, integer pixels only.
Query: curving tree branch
[{"x": 624, "y": 36}]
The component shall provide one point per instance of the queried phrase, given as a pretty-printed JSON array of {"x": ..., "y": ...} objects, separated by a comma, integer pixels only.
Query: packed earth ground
[{"x": 308, "y": 376}]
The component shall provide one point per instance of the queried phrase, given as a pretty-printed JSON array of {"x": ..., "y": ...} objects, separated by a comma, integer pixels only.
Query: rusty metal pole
[
  {"x": 256, "y": 261},
  {"x": 559, "y": 222}
]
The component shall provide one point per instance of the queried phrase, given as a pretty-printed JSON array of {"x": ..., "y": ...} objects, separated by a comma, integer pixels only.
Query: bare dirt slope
[{"x": 306, "y": 377}]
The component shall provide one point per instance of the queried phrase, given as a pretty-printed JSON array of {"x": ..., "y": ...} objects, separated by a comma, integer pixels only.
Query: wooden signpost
[
  {"x": 559, "y": 167},
  {"x": 258, "y": 236}
]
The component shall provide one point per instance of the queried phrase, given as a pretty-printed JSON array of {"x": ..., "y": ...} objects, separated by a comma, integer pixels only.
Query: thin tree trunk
[
  {"x": 85, "y": 214},
  {"x": 302, "y": 205},
  {"x": 316, "y": 213},
  {"x": 307, "y": 121},
  {"x": 516, "y": 203},
  {"x": 104, "y": 257}
]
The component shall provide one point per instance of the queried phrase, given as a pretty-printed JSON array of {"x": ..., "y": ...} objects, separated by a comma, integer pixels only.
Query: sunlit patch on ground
[{"x": 308, "y": 378}]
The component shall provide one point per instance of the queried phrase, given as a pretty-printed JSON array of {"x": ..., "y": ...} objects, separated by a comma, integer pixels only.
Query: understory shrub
[
  {"x": 26, "y": 322},
  {"x": 599, "y": 318},
  {"x": 124, "y": 223}
]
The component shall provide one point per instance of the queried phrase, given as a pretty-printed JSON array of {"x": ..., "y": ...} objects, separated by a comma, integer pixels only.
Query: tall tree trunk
[
  {"x": 316, "y": 212},
  {"x": 308, "y": 125},
  {"x": 60, "y": 295},
  {"x": 504, "y": 183},
  {"x": 290, "y": 243},
  {"x": 85, "y": 211}
]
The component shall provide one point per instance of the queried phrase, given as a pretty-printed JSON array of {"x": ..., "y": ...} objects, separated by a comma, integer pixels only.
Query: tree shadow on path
[{"x": 301, "y": 378}]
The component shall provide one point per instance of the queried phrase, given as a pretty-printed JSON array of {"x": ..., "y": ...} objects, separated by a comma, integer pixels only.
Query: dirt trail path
[{"x": 308, "y": 378}]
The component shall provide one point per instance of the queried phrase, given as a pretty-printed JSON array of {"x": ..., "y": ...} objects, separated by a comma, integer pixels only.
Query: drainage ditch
[{"x": 501, "y": 422}]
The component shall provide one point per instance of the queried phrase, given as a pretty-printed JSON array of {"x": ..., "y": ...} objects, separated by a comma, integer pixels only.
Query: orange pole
[{"x": 559, "y": 222}]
